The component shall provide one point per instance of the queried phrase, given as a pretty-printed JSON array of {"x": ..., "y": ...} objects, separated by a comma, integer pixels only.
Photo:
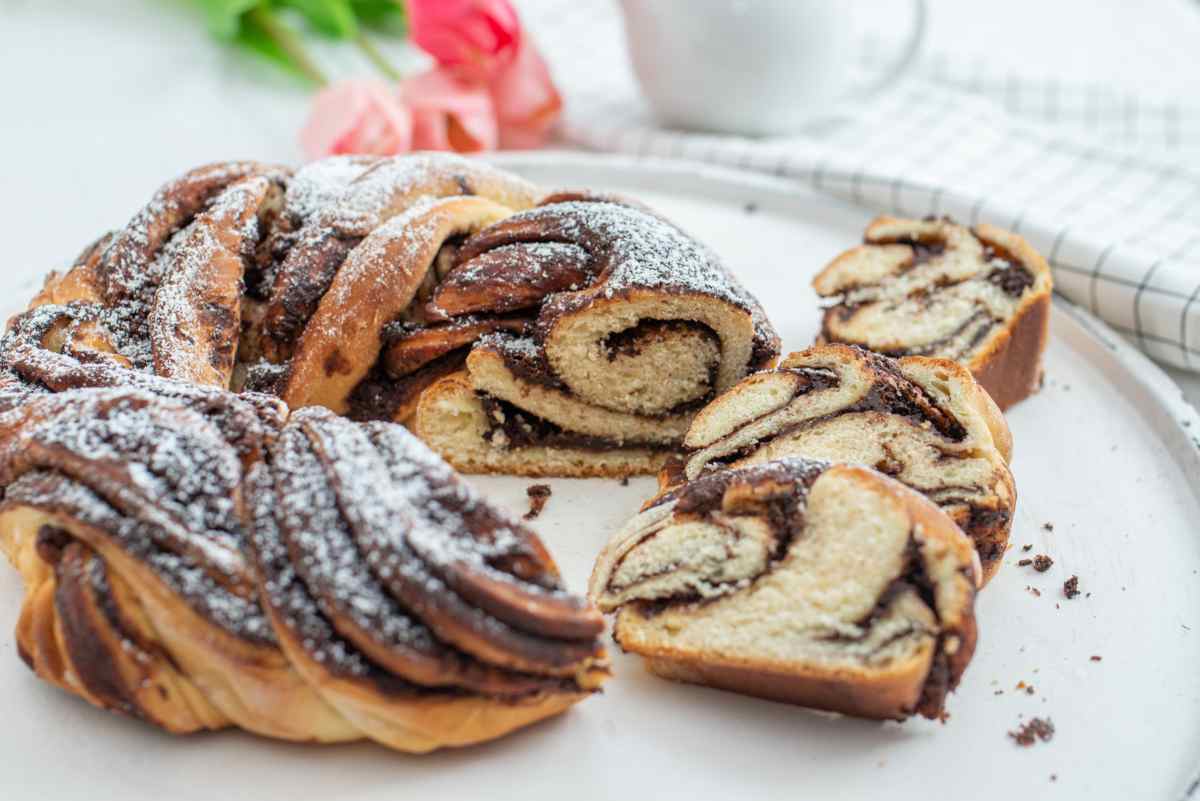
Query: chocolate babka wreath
[
  {"x": 979, "y": 296},
  {"x": 219, "y": 521},
  {"x": 922, "y": 421},
  {"x": 828, "y": 586}
]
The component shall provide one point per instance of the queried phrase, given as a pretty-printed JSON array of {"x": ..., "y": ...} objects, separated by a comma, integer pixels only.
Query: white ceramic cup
[{"x": 752, "y": 67}]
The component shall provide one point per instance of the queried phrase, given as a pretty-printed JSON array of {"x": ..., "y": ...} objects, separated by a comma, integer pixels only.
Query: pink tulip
[
  {"x": 474, "y": 38},
  {"x": 526, "y": 100},
  {"x": 448, "y": 113},
  {"x": 357, "y": 116}
]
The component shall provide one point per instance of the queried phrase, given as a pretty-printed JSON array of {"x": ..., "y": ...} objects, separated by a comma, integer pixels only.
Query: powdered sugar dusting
[
  {"x": 53, "y": 492},
  {"x": 327, "y": 558},
  {"x": 638, "y": 250},
  {"x": 393, "y": 184},
  {"x": 190, "y": 267},
  {"x": 167, "y": 466},
  {"x": 321, "y": 183}
]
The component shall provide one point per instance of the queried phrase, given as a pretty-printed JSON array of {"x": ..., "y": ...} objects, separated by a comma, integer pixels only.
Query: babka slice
[
  {"x": 979, "y": 296},
  {"x": 922, "y": 421},
  {"x": 828, "y": 586}
]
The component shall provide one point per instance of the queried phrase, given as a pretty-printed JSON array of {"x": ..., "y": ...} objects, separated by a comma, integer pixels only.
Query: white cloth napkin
[{"x": 1104, "y": 182}]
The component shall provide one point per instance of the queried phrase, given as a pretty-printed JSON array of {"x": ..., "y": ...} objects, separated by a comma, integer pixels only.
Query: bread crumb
[
  {"x": 538, "y": 495},
  {"x": 1036, "y": 729}
]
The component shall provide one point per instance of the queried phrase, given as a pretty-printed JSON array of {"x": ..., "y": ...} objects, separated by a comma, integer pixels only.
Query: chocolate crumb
[
  {"x": 1042, "y": 563},
  {"x": 1036, "y": 729},
  {"x": 538, "y": 495},
  {"x": 1053, "y": 777},
  {"x": 624, "y": 481},
  {"x": 1096, "y": 658},
  {"x": 1048, "y": 526},
  {"x": 1034, "y": 591},
  {"x": 998, "y": 692},
  {"x": 1027, "y": 548},
  {"x": 1024, "y": 562},
  {"x": 1071, "y": 587},
  {"x": 750, "y": 208}
]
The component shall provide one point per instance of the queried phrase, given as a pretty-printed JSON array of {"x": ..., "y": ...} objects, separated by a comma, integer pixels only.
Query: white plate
[{"x": 1108, "y": 453}]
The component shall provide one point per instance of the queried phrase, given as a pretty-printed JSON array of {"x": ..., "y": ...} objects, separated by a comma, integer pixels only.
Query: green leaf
[
  {"x": 224, "y": 17},
  {"x": 331, "y": 17},
  {"x": 253, "y": 36},
  {"x": 387, "y": 15}
]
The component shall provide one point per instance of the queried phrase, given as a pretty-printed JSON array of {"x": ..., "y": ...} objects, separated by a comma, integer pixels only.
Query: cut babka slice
[
  {"x": 922, "y": 421},
  {"x": 827, "y": 586},
  {"x": 979, "y": 296},
  {"x": 193, "y": 560},
  {"x": 633, "y": 326}
]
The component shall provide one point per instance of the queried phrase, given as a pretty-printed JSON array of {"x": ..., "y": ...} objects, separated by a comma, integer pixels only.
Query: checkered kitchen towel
[{"x": 1106, "y": 185}]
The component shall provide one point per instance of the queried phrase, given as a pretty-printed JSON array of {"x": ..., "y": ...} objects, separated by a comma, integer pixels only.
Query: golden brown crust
[
  {"x": 1011, "y": 368},
  {"x": 344, "y": 337}
]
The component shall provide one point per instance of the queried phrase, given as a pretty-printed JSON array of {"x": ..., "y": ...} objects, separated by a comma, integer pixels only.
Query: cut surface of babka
[
  {"x": 828, "y": 586},
  {"x": 979, "y": 296},
  {"x": 925, "y": 422},
  {"x": 644, "y": 326}
]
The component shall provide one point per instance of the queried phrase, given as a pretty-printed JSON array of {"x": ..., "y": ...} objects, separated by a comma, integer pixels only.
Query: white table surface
[{"x": 104, "y": 100}]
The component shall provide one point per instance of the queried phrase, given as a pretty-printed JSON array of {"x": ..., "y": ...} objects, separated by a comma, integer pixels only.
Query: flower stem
[
  {"x": 372, "y": 53},
  {"x": 288, "y": 42}
]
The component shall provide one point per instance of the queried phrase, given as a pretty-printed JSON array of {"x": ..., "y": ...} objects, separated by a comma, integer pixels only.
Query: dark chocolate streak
[
  {"x": 891, "y": 394},
  {"x": 535, "y": 369},
  {"x": 629, "y": 341},
  {"x": 379, "y": 396},
  {"x": 812, "y": 379},
  {"x": 1013, "y": 278},
  {"x": 523, "y": 430},
  {"x": 782, "y": 485},
  {"x": 81, "y": 583}
]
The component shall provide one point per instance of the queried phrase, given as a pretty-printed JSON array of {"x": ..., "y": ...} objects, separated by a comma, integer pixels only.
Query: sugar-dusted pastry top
[
  {"x": 205, "y": 559},
  {"x": 244, "y": 274}
]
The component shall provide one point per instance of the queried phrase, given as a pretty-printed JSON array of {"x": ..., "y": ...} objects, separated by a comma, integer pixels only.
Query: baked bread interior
[
  {"x": 922, "y": 421},
  {"x": 827, "y": 586},
  {"x": 979, "y": 296}
]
